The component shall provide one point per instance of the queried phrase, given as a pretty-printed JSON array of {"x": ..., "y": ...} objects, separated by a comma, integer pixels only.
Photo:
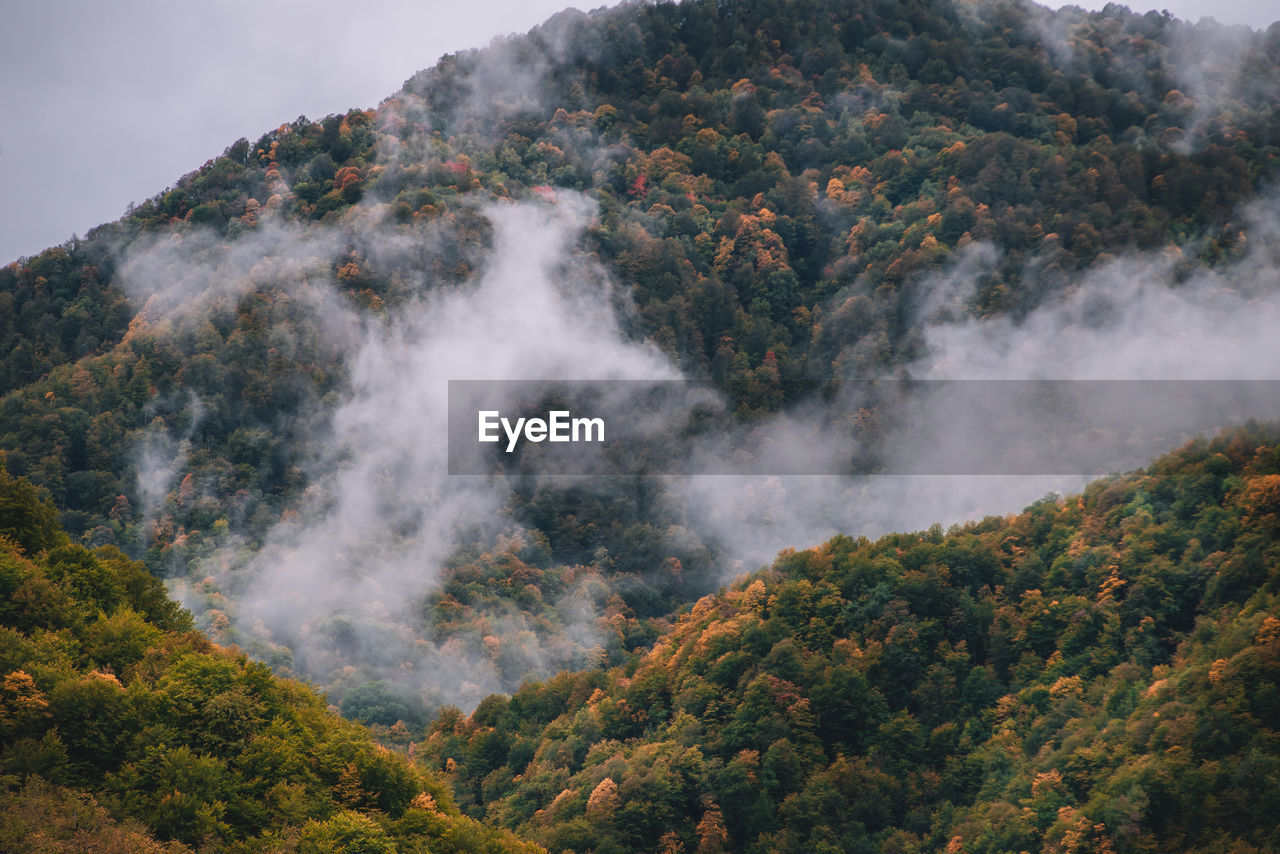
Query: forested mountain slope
[
  {"x": 124, "y": 730},
  {"x": 751, "y": 162},
  {"x": 760, "y": 193},
  {"x": 1097, "y": 673}
]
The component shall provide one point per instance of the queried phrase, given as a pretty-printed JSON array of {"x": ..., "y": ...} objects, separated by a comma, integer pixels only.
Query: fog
[
  {"x": 342, "y": 581},
  {"x": 1140, "y": 317}
]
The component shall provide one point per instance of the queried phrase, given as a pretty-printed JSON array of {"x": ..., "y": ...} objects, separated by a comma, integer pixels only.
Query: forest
[
  {"x": 1097, "y": 673},
  {"x": 126, "y": 731},
  {"x": 238, "y": 619}
]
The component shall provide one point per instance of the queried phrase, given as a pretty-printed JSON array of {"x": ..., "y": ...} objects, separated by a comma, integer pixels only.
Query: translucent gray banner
[{"x": 873, "y": 427}]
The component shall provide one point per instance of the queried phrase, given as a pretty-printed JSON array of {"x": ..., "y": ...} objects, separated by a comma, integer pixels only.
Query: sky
[{"x": 105, "y": 104}]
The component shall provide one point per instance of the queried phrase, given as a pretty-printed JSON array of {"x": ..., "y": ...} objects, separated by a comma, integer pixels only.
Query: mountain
[
  {"x": 1097, "y": 673},
  {"x": 125, "y": 730},
  {"x": 240, "y": 385},
  {"x": 778, "y": 191}
]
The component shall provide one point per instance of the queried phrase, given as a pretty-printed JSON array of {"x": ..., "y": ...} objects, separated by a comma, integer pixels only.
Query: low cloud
[
  {"x": 1153, "y": 316},
  {"x": 343, "y": 581}
]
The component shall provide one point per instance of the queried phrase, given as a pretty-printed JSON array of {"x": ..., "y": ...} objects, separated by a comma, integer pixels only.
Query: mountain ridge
[{"x": 1072, "y": 678}]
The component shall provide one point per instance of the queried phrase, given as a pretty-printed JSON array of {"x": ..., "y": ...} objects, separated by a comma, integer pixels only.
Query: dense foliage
[
  {"x": 124, "y": 730},
  {"x": 774, "y": 180},
  {"x": 777, "y": 181},
  {"x": 1098, "y": 673}
]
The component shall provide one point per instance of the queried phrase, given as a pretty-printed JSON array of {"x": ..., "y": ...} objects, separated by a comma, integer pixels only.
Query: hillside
[
  {"x": 1097, "y": 673},
  {"x": 126, "y": 731}
]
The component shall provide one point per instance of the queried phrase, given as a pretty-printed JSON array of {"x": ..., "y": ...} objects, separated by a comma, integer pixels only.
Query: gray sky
[{"x": 107, "y": 103}]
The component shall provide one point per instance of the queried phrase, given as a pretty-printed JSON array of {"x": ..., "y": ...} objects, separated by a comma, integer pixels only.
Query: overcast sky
[{"x": 107, "y": 103}]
